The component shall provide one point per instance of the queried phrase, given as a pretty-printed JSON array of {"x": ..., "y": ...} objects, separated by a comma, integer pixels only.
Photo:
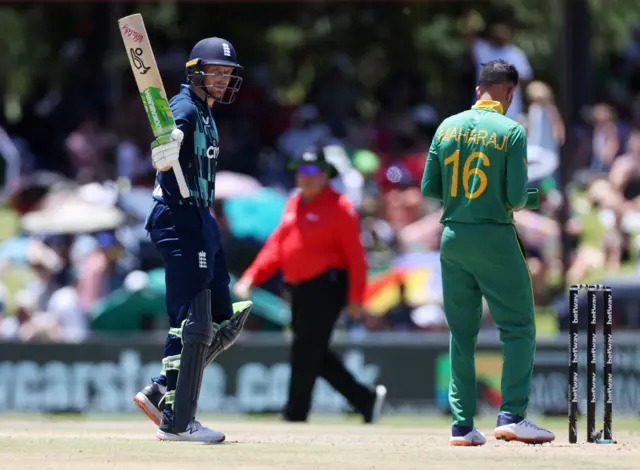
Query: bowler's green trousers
[{"x": 487, "y": 260}]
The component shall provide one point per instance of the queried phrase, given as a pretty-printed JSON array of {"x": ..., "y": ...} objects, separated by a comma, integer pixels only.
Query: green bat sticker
[{"x": 158, "y": 111}]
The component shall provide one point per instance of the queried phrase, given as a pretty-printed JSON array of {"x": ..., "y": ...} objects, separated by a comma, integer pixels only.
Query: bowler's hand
[
  {"x": 355, "y": 310},
  {"x": 165, "y": 154},
  {"x": 242, "y": 289}
]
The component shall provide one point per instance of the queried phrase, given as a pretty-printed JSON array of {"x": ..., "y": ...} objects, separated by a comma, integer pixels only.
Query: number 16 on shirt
[
  {"x": 145, "y": 70},
  {"x": 467, "y": 173}
]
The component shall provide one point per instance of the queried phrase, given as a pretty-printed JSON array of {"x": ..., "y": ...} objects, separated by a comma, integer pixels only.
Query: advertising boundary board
[{"x": 102, "y": 375}]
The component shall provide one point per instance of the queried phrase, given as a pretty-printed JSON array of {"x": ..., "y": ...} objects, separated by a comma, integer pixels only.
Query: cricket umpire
[{"x": 317, "y": 247}]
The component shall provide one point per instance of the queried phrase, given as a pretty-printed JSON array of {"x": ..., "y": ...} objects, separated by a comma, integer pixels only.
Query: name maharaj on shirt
[{"x": 472, "y": 137}]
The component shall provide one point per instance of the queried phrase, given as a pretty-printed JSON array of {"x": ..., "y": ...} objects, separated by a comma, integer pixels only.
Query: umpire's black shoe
[
  {"x": 150, "y": 400},
  {"x": 380, "y": 394},
  {"x": 288, "y": 419}
]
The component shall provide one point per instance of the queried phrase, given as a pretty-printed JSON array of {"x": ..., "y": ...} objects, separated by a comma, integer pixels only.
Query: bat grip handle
[{"x": 182, "y": 183}]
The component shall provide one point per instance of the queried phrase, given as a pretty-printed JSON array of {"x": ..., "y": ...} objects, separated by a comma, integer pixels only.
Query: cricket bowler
[
  {"x": 477, "y": 166},
  {"x": 203, "y": 321}
]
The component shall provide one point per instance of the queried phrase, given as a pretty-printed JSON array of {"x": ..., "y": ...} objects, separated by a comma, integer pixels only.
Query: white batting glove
[{"x": 165, "y": 154}]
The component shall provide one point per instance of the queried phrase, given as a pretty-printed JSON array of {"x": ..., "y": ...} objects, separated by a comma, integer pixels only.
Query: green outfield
[{"x": 327, "y": 442}]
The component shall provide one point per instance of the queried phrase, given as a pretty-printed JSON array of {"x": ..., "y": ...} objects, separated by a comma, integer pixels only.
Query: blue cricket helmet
[{"x": 214, "y": 51}]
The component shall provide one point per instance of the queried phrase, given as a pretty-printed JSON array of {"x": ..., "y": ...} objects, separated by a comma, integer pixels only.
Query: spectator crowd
[{"x": 54, "y": 281}]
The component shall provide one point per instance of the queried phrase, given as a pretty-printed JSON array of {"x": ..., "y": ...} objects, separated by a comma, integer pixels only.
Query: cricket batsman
[
  {"x": 477, "y": 165},
  {"x": 202, "y": 318}
]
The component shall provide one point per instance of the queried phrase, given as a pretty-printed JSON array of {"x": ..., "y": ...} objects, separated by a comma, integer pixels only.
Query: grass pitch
[{"x": 397, "y": 443}]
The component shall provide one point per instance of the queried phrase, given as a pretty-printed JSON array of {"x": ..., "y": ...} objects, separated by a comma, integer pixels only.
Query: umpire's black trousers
[{"x": 315, "y": 308}]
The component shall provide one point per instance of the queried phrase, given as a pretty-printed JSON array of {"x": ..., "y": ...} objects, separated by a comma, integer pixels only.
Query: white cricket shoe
[
  {"x": 523, "y": 431},
  {"x": 195, "y": 432},
  {"x": 378, "y": 402},
  {"x": 473, "y": 438}
]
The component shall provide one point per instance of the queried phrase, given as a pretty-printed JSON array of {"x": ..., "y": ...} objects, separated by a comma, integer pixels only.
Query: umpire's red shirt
[{"x": 312, "y": 238}]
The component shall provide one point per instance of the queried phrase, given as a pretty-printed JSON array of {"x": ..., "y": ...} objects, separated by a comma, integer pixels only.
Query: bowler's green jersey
[{"x": 477, "y": 165}]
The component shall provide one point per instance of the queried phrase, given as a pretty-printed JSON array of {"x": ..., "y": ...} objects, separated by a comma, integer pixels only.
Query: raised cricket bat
[{"x": 145, "y": 70}]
